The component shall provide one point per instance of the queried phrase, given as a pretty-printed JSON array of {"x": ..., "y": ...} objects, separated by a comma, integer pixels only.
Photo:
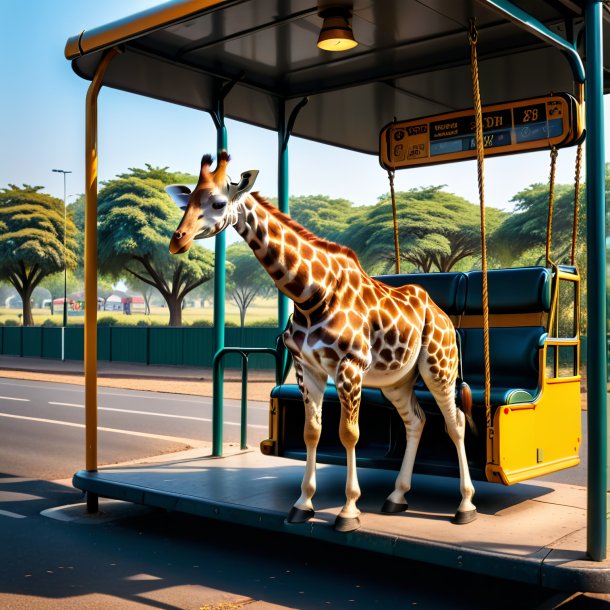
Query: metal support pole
[
  {"x": 220, "y": 263},
  {"x": 220, "y": 258},
  {"x": 597, "y": 415},
  {"x": 244, "y": 402},
  {"x": 284, "y": 131},
  {"x": 90, "y": 350},
  {"x": 65, "y": 308},
  {"x": 282, "y": 200}
]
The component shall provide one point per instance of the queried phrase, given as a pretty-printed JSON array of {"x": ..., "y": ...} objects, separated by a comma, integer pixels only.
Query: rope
[
  {"x": 549, "y": 223},
  {"x": 576, "y": 202},
  {"x": 472, "y": 37},
  {"x": 395, "y": 217}
]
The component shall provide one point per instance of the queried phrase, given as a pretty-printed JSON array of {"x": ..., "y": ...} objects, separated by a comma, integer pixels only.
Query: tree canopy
[
  {"x": 32, "y": 240},
  {"x": 136, "y": 222},
  {"x": 326, "y": 217},
  {"x": 523, "y": 233},
  {"x": 436, "y": 231}
]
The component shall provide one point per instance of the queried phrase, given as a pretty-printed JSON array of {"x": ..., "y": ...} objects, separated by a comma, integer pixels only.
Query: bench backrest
[{"x": 519, "y": 301}]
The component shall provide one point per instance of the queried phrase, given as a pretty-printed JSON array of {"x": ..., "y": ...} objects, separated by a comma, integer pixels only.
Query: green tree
[
  {"x": 437, "y": 230},
  {"x": 247, "y": 280},
  {"x": 326, "y": 217},
  {"x": 136, "y": 222},
  {"x": 32, "y": 240},
  {"x": 523, "y": 233}
]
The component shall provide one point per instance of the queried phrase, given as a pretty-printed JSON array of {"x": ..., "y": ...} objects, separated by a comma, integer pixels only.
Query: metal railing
[{"x": 282, "y": 367}]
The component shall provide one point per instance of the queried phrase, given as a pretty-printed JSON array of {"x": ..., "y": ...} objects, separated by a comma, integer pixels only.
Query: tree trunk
[
  {"x": 28, "y": 318},
  {"x": 174, "y": 305}
]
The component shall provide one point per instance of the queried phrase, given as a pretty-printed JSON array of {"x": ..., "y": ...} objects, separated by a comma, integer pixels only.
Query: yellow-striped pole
[{"x": 90, "y": 350}]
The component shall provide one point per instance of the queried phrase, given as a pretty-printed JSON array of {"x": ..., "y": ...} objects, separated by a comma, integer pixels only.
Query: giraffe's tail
[{"x": 464, "y": 400}]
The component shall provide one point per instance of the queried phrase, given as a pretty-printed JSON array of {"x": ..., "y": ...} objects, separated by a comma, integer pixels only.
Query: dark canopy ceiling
[{"x": 412, "y": 59}]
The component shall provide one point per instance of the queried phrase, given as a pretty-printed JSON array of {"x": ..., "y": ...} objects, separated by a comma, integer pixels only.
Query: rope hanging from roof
[
  {"x": 395, "y": 218},
  {"x": 474, "y": 64},
  {"x": 549, "y": 222},
  {"x": 576, "y": 203}
]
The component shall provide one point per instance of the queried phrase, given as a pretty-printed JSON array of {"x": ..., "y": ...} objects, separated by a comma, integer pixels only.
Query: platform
[{"x": 531, "y": 532}]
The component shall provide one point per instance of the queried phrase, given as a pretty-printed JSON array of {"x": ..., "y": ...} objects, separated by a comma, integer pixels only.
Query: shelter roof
[{"x": 412, "y": 59}]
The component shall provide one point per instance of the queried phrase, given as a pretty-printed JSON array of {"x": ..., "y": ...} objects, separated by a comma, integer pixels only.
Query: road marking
[
  {"x": 133, "y": 412},
  {"x": 8, "y": 513},
  {"x": 160, "y": 437},
  {"x": 233, "y": 403},
  {"x": 12, "y": 398}
]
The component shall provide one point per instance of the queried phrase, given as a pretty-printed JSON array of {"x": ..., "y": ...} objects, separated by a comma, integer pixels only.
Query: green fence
[{"x": 187, "y": 346}]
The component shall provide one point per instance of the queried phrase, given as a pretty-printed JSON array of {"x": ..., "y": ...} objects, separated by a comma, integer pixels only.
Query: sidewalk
[{"x": 174, "y": 379}]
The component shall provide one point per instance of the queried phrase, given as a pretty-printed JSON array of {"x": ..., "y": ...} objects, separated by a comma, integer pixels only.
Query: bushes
[
  {"x": 202, "y": 324},
  {"x": 107, "y": 321},
  {"x": 11, "y": 322},
  {"x": 268, "y": 323}
]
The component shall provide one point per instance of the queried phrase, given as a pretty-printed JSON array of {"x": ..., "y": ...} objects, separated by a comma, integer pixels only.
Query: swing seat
[{"x": 535, "y": 412}]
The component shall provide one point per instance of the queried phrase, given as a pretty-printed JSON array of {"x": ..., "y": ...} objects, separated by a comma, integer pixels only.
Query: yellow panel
[
  {"x": 270, "y": 446},
  {"x": 537, "y": 439}
]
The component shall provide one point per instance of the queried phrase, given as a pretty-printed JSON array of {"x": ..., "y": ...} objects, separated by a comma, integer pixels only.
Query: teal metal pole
[
  {"x": 537, "y": 28},
  {"x": 220, "y": 251},
  {"x": 597, "y": 413},
  {"x": 282, "y": 200},
  {"x": 284, "y": 129},
  {"x": 244, "y": 401}
]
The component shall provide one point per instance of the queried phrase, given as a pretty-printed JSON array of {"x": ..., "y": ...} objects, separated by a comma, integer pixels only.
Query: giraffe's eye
[{"x": 218, "y": 201}]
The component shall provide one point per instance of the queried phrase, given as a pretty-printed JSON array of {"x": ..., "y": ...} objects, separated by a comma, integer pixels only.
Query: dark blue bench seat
[{"x": 518, "y": 298}]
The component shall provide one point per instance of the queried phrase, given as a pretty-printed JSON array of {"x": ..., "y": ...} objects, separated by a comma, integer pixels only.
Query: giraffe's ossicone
[{"x": 346, "y": 325}]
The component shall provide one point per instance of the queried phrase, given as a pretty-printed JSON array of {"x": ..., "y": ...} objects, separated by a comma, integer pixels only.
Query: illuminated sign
[{"x": 512, "y": 127}]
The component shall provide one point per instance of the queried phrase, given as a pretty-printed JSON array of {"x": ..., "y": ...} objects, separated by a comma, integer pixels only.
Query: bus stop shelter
[{"x": 257, "y": 61}]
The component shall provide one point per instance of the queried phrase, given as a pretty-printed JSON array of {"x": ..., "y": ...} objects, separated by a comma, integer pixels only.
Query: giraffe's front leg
[
  {"x": 349, "y": 387},
  {"x": 312, "y": 384}
]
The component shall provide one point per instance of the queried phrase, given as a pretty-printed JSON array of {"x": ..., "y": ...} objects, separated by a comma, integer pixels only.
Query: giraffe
[{"x": 345, "y": 325}]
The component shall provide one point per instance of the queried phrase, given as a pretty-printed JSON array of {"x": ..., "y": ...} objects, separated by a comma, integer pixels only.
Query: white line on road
[
  {"x": 131, "y": 411},
  {"x": 8, "y": 513},
  {"x": 12, "y": 398},
  {"x": 176, "y": 398},
  {"x": 160, "y": 437}
]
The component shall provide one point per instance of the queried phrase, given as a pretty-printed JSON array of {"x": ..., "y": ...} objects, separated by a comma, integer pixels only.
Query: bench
[{"x": 519, "y": 305}]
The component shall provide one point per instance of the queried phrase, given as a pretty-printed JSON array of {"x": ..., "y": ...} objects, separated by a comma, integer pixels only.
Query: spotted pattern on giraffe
[{"x": 346, "y": 325}]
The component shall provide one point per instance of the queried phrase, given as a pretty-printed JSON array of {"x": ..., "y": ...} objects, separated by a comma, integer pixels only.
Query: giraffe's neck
[{"x": 301, "y": 268}]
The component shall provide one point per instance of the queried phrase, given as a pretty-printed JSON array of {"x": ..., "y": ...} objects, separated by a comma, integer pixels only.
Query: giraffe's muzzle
[{"x": 178, "y": 244}]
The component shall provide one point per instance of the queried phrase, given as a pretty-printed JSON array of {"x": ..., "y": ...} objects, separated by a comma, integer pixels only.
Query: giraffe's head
[{"x": 212, "y": 206}]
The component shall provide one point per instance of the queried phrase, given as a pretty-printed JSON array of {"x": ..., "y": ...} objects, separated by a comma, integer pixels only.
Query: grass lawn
[{"x": 260, "y": 310}]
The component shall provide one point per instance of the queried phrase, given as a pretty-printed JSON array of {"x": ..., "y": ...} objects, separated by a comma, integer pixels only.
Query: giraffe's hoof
[
  {"x": 346, "y": 524},
  {"x": 463, "y": 517},
  {"x": 391, "y": 508},
  {"x": 298, "y": 515}
]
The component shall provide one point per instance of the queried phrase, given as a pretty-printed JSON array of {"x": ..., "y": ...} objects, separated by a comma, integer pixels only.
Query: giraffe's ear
[
  {"x": 179, "y": 193},
  {"x": 246, "y": 182}
]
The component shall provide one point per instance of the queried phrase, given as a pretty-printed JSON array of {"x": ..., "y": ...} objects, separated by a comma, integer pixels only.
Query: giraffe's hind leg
[
  {"x": 312, "y": 384},
  {"x": 403, "y": 398},
  {"x": 443, "y": 391}
]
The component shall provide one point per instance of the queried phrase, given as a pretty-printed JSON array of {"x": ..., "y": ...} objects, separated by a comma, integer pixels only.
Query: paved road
[
  {"x": 132, "y": 425},
  {"x": 153, "y": 559},
  {"x": 49, "y": 417}
]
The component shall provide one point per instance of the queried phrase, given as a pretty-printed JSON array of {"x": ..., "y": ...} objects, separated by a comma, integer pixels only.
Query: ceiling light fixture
[{"x": 336, "y": 33}]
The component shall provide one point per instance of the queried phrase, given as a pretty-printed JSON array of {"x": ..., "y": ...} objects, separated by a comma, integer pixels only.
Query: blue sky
[{"x": 42, "y": 125}]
